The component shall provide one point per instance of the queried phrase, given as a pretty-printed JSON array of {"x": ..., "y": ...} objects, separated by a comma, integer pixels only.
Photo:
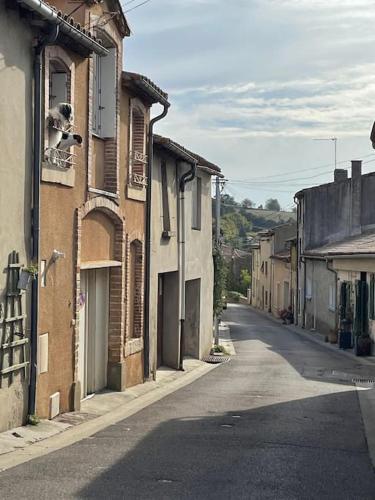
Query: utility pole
[{"x": 217, "y": 240}]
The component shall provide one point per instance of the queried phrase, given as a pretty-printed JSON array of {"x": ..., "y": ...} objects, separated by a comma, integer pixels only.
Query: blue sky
[{"x": 253, "y": 82}]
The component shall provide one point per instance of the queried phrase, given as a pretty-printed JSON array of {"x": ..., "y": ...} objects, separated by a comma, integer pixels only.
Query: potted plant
[
  {"x": 26, "y": 276},
  {"x": 362, "y": 345}
]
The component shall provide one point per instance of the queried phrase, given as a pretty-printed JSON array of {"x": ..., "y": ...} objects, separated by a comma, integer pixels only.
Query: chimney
[
  {"x": 356, "y": 198},
  {"x": 356, "y": 169},
  {"x": 340, "y": 174}
]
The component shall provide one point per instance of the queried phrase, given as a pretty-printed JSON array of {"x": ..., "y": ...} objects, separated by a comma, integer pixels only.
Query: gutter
[
  {"x": 186, "y": 177},
  {"x": 147, "y": 298},
  {"x": 52, "y": 16},
  {"x": 38, "y": 63}
]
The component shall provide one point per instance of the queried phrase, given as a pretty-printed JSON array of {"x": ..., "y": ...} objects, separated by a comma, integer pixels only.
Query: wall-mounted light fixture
[{"x": 56, "y": 254}]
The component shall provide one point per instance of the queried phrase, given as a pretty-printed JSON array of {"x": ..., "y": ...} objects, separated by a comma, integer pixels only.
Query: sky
[{"x": 252, "y": 83}]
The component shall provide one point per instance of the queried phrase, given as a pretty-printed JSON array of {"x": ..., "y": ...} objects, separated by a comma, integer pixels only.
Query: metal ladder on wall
[{"x": 13, "y": 340}]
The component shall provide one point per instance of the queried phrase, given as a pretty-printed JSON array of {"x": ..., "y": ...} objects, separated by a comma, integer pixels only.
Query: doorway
[
  {"x": 192, "y": 317},
  {"x": 93, "y": 330}
]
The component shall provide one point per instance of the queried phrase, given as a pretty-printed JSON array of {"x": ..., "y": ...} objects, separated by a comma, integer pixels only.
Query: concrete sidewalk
[{"x": 99, "y": 411}]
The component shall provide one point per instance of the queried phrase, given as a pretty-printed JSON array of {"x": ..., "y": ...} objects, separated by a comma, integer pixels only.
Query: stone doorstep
[
  {"x": 93, "y": 407},
  {"x": 319, "y": 338}
]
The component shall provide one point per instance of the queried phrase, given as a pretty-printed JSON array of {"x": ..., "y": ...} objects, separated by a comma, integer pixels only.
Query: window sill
[
  {"x": 102, "y": 192},
  {"x": 136, "y": 193},
  {"x": 55, "y": 175},
  {"x": 196, "y": 229}
]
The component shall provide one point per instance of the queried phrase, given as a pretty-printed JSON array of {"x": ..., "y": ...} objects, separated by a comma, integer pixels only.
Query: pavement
[{"x": 281, "y": 420}]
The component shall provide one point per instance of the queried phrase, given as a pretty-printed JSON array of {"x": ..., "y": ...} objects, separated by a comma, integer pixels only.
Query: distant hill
[{"x": 239, "y": 223}]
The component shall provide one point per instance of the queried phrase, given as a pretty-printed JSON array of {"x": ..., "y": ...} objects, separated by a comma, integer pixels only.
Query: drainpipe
[
  {"x": 146, "y": 325},
  {"x": 186, "y": 177},
  {"x": 38, "y": 63},
  {"x": 336, "y": 282}
]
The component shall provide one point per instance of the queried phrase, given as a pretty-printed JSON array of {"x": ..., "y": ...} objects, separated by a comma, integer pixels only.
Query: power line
[
  {"x": 286, "y": 180},
  {"x": 136, "y": 7},
  {"x": 308, "y": 169}
]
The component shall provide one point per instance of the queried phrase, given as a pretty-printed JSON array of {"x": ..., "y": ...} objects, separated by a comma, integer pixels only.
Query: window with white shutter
[{"x": 104, "y": 95}]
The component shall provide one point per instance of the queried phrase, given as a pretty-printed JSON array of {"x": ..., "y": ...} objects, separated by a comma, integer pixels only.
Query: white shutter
[
  {"x": 108, "y": 94},
  {"x": 58, "y": 88},
  {"x": 96, "y": 95}
]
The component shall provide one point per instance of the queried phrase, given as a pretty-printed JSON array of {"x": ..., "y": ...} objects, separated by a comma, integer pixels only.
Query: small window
[
  {"x": 104, "y": 94},
  {"x": 135, "y": 298},
  {"x": 138, "y": 157},
  {"x": 266, "y": 268},
  {"x": 165, "y": 200},
  {"x": 332, "y": 298},
  {"x": 196, "y": 195},
  {"x": 308, "y": 288}
]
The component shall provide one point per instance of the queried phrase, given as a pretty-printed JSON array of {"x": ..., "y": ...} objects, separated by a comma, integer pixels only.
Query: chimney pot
[
  {"x": 340, "y": 174},
  {"x": 356, "y": 169}
]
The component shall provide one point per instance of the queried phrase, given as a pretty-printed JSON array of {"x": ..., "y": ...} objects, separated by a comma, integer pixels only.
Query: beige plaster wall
[
  {"x": 16, "y": 59},
  {"x": 280, "y": 274},
  {"x": 98, "y": 228}
]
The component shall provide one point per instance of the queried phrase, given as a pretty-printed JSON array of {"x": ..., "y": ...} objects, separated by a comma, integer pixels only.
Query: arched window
[
  {"x": 138, "y": 157},
  {"x": 136, "y": 290}
]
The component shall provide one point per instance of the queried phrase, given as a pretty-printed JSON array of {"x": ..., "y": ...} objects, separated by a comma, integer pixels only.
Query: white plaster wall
[
  {"x": 16, "y": 60},
  {"x": 164, "y": 253},
  {"x": 199, "y": 260}
]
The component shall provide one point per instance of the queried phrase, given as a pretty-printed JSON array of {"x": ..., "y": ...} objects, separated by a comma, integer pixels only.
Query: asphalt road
[{"x": 273, "y": 423}]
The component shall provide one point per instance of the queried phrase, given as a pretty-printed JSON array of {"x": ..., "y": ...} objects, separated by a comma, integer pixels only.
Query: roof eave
[{"x": 66, "y": 26}]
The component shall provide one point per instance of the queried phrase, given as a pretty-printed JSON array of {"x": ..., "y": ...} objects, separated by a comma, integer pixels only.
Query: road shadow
[{"x": 296, "y": 450}]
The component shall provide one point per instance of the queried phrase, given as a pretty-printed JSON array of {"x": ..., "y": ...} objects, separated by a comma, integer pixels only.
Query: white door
[{"x": 93, "y": 346}]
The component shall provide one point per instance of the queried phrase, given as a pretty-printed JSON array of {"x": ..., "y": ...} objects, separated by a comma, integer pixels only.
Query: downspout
[
  {"x": 336, "y": 279},
  {"x": 186, "y": 177},
  {"x": 38, "y": 64},
  {"x": 146, "y": 325}
]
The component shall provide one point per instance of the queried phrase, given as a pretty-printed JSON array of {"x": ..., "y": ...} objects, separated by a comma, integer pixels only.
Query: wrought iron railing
[
  {"x": 138, "y": 162},
  {"x": 60, "y": 158}
]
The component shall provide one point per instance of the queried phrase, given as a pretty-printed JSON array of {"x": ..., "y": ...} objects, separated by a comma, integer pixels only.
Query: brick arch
[{"x": 117, "y": 277}]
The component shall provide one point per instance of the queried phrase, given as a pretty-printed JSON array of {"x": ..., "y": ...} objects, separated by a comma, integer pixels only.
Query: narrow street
[{"x": 268, "y": 424}]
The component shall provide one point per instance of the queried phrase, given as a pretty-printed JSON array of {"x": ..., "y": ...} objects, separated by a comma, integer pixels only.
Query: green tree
[
  {"x": 220, "y": 277},
  {"x": 273, "y": 204},
  {"x": 234, "y": 228},
  {"x": 246, "y": 203}
]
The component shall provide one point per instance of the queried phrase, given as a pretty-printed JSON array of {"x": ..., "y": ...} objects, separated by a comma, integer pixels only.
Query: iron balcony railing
[{"x": 138, "y": 162}]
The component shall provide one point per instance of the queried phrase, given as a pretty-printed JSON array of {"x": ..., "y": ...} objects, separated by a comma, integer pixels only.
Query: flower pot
[
  {"x": 362, "y": 346},
  {"x": 24, "y": 280}
]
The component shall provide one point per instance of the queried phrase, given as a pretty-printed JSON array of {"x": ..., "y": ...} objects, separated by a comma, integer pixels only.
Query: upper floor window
[
  {"x": 104, "y": 94},
  {"x": 59, "y": 83},
  {"x": 196, "y": 202},
  {"x": 138, "y": 157}
]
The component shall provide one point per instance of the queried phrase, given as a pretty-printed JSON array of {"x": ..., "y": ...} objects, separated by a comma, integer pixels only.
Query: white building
[{"x": 181, "y": 277}]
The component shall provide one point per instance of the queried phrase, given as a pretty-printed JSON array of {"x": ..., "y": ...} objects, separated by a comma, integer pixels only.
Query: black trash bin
[{"x": 345, "y": 335}]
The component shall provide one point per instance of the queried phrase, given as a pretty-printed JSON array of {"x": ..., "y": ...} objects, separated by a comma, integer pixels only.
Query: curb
[{"x": 88, "y": 428}]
